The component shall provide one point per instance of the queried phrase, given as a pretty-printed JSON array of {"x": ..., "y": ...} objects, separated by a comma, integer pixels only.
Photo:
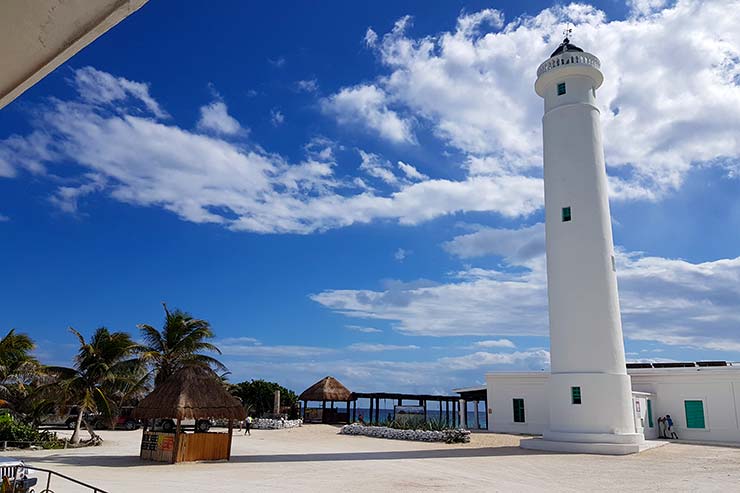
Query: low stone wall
[
  {"x": 276, "y": 424},
  {"x": 447, "y": 436}
]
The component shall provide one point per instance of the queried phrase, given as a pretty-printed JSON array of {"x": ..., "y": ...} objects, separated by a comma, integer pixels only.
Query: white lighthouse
[{"x": 588, "y": 392}]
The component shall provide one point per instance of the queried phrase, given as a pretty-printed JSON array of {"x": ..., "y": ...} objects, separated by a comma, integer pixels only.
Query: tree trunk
[
  {"x": 91, "y": 431},
  {"x": 78, "y": 424}
]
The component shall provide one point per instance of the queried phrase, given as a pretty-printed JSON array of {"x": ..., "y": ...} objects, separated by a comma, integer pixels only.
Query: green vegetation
[
  {"x": 258, "y": 397},
  {"x": 417, "y": 424},
  {"x": 182, "y": 341},
  {"x": 102, "y": 363},
  {"x": 19, "y": 434},
  {"x": 110, "y": 371}
]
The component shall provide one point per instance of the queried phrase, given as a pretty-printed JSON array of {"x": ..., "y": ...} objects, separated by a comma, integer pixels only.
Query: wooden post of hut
[{"x": 192, "y": 393}]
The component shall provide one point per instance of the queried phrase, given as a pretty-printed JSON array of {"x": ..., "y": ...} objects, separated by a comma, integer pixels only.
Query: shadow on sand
[{"x": 452, "y": 453}]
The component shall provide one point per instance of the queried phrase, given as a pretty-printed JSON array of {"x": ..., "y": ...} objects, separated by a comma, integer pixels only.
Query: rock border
[
  {"x": 457, "y": 435},
  {"x": 276, "y": 424}
]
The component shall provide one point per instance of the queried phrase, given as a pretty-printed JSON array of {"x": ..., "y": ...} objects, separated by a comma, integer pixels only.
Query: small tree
[
  {"x": 258, "y": 395},
  {"x": 99, "y": 365},
  {"x": 18, "y": 369}
]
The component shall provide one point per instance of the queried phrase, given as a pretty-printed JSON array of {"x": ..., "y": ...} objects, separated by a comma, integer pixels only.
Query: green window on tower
[
  {"x": 566, "y": 214},
  {"x": 561, "y": 88},
  {"x": 694, "y": 414},
  {"x": 575, "y": 395},
  {"x": 518, "y": 410}
]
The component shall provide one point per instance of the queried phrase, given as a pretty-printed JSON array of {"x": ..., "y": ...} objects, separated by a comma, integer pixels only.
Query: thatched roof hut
[
  {"x": 326, "y": 389},
  {"x": 193, "y": 392}
]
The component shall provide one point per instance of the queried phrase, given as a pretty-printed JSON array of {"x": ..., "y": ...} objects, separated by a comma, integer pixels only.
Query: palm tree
[
  {"x": 181, "y": 342},
  {"x": 99, "y": 364},
  {"x": 17, "y": 367}
]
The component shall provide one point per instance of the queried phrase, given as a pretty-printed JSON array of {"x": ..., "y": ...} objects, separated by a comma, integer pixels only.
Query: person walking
[
  {"x": 669, "y": 423},
  {"x": 248, "y": 426},
  {"x": 661, "y": 427}
]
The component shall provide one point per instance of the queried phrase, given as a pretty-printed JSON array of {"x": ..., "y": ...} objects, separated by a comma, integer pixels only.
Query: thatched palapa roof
[
  {"x": 326, "y": 389},
  {"x": 193, "y": 392}
]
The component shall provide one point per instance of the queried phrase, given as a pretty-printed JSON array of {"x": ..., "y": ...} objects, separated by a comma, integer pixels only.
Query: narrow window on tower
[
  {"x": 561, "y": 88},
  {"x": 566, "y": 214},
  {"x": 575, "y": 395},
  {"x": 593, "y": 90},
  {"x": 614, "y": 264}
]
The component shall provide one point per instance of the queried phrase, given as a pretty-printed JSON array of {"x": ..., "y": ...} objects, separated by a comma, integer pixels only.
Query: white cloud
[
  {"x": 401, "y": 254},
  {"x": 645, "y": 7},
  {"x": 66, "y": 197},
  {"x": 377, "y": 167},
  {"x": 411, "y": 172},
  {"x": 249, "y": 347},
  {"x": 276, "y": 117},
  {"x": 203, "y": 178},
  {"x": 368, "y": 105},
  {"x": 371, "y": 37},
  {"x": 495, "y": 343},
  {"x": 378, "y": 348},
  {"x": 307, "y": 85},
  {"x": 532, "y": 359},
  {"x": 669, "y": 301},
  {"x": 4, "y": 218},
  {"x": 363, "y": 329},
  {"x": 669, "y": 101},
  {"x": 277, "y": 62},
  {"x": 215, "y": 118},
  {"x": 518, "y": 246},
  {"x": 99, "y": 87}
]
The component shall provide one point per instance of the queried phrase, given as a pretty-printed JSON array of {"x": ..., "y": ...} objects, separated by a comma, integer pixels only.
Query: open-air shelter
[
  {"x": 330, "y": 390},
  {"x": 191, "y": 393}
]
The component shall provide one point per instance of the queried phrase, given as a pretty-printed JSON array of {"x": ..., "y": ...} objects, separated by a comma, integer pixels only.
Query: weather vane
[{"x": 567, "y": 32}]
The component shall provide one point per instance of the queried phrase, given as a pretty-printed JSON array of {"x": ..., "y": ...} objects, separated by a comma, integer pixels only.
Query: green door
[{"x": 650, "y": 413}]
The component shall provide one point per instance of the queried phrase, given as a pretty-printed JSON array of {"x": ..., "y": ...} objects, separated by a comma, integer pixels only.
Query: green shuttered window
[
  {"x": 650, "y": 414},
  {"x": 566, "y": 214},
  {"x": 561, "y": 88},
  {"x": 694, "y": 414},
  {"x": 518, "y": 410}
]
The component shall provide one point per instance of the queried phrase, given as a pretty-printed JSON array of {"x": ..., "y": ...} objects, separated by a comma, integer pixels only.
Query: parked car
[
  {"x": 66, "y": 417},
  {"x": 123, "y": 420},
  {"x": 168, "y": 425},
  {"x": 17, "y": 475}
]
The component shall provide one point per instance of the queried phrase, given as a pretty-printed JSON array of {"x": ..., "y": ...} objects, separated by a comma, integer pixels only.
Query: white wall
[
  {"x": 718, "y": 388},
  {"x": 503, "y": 388}
]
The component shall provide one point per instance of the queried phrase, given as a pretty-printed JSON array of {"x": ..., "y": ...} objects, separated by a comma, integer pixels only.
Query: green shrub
[
  {"x": 17, "y": 433},
  {"x": 417, "y": 424}
]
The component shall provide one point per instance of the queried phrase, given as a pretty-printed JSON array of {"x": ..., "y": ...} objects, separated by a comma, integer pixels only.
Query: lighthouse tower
[{"x": 589, "y": 391}]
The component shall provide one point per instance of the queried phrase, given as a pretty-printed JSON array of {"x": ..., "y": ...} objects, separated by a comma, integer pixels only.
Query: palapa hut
[
  {"x": 328, "y": 389},
  {"x": 191, "y": 393}
]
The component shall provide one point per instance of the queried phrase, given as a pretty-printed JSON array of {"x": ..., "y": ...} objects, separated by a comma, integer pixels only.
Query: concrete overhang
[{"x": 36, "y": 36}]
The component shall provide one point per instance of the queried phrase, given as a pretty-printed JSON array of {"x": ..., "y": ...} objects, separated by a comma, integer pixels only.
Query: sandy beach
[{"x": 315, "y": 458}]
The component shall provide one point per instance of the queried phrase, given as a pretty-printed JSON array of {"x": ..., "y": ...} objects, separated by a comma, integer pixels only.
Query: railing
[
  {"x": 17, "y": 482},
  {"x": 566, "y": 58}
]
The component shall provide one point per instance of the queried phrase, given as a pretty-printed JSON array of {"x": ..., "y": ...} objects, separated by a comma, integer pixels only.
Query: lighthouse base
[{"x": 599, "y": 448}]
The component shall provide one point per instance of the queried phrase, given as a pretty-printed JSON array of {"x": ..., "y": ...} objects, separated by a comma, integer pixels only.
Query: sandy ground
[{"x": 315, "y": 458}]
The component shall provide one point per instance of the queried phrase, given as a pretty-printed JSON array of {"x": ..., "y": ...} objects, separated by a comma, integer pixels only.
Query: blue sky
[{"x": 356, "y": 191}]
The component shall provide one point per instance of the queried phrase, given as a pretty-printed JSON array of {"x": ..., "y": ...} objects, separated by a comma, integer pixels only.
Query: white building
[{"x": 702, "y": 399}]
